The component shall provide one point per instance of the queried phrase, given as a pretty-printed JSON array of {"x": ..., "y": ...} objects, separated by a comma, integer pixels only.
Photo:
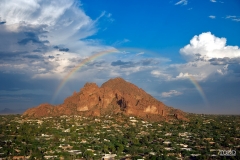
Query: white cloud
[
  {"x": 33, "y": 11},
  {"x": 206, "y": 55},
  {"x": 213, "y": 0},
  {"x": 171, "y": 93},
  {"x": 140, "y": 53},
  {"x": 208, "y": 46},
  {"x": 118, "y": 43},
  {"x": 183, "y": 2},
  {"x": 187, "y": 76},
  {"x": 212, "y": 17},
  {"x": 233, "y": 18},
  {"x": 161, "y": 74},
  {"x": 223, "y": 71}
]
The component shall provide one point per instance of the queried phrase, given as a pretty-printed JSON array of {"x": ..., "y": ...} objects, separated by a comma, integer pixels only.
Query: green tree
[{"x": 88, "y": 154}]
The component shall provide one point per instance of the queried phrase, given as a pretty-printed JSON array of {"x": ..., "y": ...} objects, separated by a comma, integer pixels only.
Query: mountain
[
  {"x": 113, "y": 97},
  {"x": 7, "y": 111}
]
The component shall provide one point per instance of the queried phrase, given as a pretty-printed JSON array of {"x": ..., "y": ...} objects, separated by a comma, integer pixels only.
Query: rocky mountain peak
[
  {"x": 123, "y": 86},
  {"x": 114, "y": 82}
]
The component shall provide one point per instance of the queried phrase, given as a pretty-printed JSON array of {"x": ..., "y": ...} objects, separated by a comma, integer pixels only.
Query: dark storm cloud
[
  {"x": 51, "y": 57},
  {"x": 20, "y": 40},
  {"x": 17, "y": 56},
  {"x": 233, "y": 63},
  {"x": 27, "y": 40},
  {"x": 224, "y": 61},
  {"x": 61, "y": 49},
  {"x": 146, "y": 62},
  {"x": 235, "y": 68},
  {"x": 32, "y": 56},
  {"x": 64, "y": 49},
  {"x": 19, "y": 84},
  {"x": 31, "y": 37},
  {"x": 67, "y": 68},
  {"x": 22, "y": 50},
  {"x": 123, "y": 64},
  {"x": 36, "y": 50},
  {"x": 2, "y": 23},
  {"x": 75, "y": 60},
  {"x": 96, "y": 63},
  {"x": 10, "y": 54}
]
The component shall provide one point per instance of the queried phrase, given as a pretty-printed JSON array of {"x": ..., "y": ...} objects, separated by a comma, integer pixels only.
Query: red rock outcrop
[{"x": 114, "y": 96}]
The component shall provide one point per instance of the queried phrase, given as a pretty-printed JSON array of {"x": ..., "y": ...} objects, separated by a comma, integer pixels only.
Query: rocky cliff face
[{"x": 114, "y": 96}]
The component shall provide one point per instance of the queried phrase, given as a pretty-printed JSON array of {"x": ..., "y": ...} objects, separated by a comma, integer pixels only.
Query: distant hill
[
  {"x": 113, "y": 97},
  {"x": 8, "y": 111}
]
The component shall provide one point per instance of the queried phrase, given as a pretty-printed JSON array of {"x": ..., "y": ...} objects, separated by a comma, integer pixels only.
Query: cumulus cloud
[
  {"x": 212, "y": 16},
  {"x": 208, "y": 58},
  {"x": 32, "y": 39},
  {"x": 208, "y": 46},
  {"x": 171, "y": 93},
  {"x": 183, "y": 2},
  {"x": 213, "y": 0}
]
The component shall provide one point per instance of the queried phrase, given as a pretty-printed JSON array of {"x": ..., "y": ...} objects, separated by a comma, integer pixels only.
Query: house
[
  {"x": 168, "y": 134},
  {"x": 208, "y": 139},
  {"x": 152, "y": 153},
  {"x": 50, "y": 157},
  {"x": 174, "y": 154},
  {"x": 195, "y": 155},
  {"x": 108, "y": 157},
  {"x": 18, "y": 158},
  {"x": 166, "y": 142},
  {"x": 17, "y": 150},
  {"x": 83, "y": 141},
  {"x": 186, "y": 149},
  {"x": 134, "y": 120},
  {"x": 67, "y": 130},
  {"x": 75, "y": 152},
  {"x": 168, "y": 148},
  {"x": 184, "y": 145},
  {"x": 65, "y": 146},
  {"x": 185, "y": 134}
]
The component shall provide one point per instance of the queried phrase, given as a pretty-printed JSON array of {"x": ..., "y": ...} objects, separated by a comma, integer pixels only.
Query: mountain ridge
[{"x": 112, "y": 97}]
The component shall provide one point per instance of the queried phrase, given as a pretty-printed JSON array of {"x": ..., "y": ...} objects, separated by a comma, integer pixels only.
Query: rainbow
[
  {"x": 102, "y": 53},
  {"x": 198, "y": 87},
  {"x": 93, "y": 57},
  {"x": 80, "y": 65}
]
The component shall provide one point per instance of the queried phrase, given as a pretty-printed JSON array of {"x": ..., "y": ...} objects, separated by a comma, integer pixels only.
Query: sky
[{"x": 184, "y": 53}]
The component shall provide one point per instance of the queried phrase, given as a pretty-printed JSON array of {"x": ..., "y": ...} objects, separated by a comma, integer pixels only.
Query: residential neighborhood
[{"x": 118, "y": 137}]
